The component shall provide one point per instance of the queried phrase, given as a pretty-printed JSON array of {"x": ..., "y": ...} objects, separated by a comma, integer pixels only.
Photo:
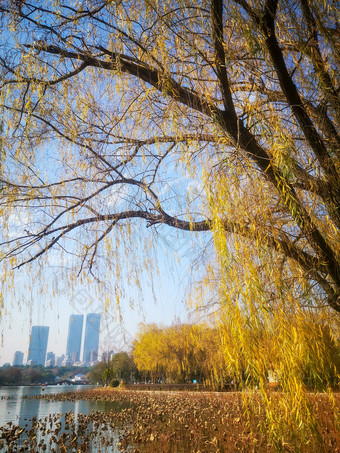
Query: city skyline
[
  {"x": 170, "y": 305},
  {"x": 76, "y": 342},
  {"x": 162, "y": 303}
]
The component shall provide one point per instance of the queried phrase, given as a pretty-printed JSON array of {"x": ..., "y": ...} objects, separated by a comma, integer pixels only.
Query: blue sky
[
  {"x": 25, "y": 309},
  {"x": 174, "y": 185},
  {"x": 15, "y": 327}
]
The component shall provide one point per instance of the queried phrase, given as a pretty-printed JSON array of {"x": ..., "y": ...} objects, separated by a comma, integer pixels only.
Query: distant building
[
  {"x": 91, "y": 342},
  {"x": 107, "y": 356},
  {"x": 75, "y": 329},
  {"x": 60, "y": 360},
  {"x": 38, "y": 345},
  {"x": 80, "y": 363},
  {"x": 94, "y": 356},
  {"x": 18, "y": 358},
  {"x": 50, "y": 356},
  {"x": 80, "y": 379},
  {"x": 50, "y": 359},
  {"x": 67, "y": 362}
]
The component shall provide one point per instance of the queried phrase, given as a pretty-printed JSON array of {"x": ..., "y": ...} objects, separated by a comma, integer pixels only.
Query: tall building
[
  {"x": 91, "y": 342},
  {"x": 75, "y": 329},
  {"x": 38, "y": 345},
  {"x": 60, "y": 360},
  {"x": 50, "y": 356},
  {"x": 18, "y": 358},
  {"x": 50, "y": 359}
]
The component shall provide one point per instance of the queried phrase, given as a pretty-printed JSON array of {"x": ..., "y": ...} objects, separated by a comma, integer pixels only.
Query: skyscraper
[
  {"x": 60, "y": 360},
  {"x": 18, "y": 358},
  {"x": 75, "y": 329},
  {"x": 91, "y": 342},
  {"x": 38, "y": 345},
  {"x": 50, "y": 359}
]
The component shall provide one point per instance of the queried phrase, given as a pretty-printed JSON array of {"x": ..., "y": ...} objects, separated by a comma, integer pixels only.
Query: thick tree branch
[
  {"x": 220, "y": 59},
  {"x": 317, "y": 60},
  {"x": 267, "y": 25},
  {"x": 281, "y": 244},
  {"x": 240, "y": 134}
]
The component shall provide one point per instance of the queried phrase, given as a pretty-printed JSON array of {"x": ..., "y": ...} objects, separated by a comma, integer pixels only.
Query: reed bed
[{"x": 171, "y": 422}]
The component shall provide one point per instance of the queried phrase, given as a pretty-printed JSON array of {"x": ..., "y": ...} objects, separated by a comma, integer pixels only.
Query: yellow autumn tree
[
  {"x": 181, "y": 353},
  {"x": 211, "y": 360},
  {"x": 207, "y": 116},
  {"x": 149, "y": 351}
]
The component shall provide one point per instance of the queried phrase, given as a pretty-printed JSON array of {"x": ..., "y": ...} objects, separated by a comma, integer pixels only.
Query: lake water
[{"x": 17, "y": 408}]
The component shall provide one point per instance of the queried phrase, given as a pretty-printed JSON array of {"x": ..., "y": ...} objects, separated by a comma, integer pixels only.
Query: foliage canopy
[{"x": 105, "y": 103}]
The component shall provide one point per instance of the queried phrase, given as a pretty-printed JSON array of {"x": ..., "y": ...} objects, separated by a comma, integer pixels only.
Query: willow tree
[
  {"x": 181, "y": 353},
  {"x": 216, "y": 116}
]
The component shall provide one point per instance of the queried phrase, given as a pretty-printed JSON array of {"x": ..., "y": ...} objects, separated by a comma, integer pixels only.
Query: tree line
[
  {"x": 26, "y": 375},
  {"x": 195, "y": 353}
]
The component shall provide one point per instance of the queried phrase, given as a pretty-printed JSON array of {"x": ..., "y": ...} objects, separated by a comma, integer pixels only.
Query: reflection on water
[
  {"x": 16, "y": 409},
  {"x": 46, "y": 421}
]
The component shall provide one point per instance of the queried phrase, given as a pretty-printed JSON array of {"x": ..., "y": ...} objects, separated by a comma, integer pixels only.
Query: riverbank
[{"x": 166, "y": 422}]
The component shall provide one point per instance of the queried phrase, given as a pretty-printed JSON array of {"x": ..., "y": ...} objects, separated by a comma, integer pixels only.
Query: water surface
[{"x": 17, "y": 408}]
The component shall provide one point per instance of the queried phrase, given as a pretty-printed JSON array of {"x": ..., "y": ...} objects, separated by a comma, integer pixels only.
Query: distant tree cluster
[
  {"x": 180, "y": 353},
  {"x": 25, "y": 375},
  {"x": 177, "y": 354},
  {"x": 119, "y": 368}
]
